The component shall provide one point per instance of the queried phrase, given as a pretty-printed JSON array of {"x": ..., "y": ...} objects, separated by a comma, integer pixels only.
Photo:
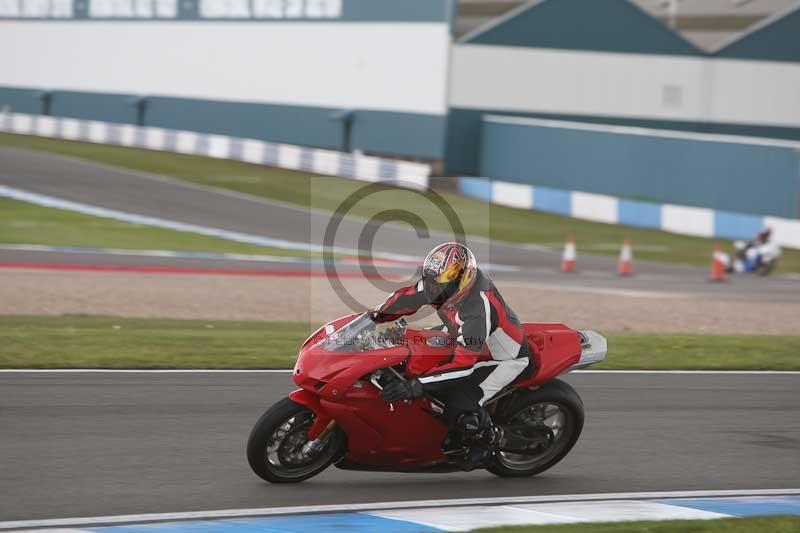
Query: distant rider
[
  {"x": 491, "y": 349},
  {"x": 759, "y": 244},
  {"x": 762, "y": 237}
]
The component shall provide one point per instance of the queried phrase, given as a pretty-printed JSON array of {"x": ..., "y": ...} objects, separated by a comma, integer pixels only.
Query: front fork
[{"x": 314, "y": 445}]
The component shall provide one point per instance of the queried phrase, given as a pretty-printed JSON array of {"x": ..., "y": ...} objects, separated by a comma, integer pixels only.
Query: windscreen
[{"x": 362, "y": 334}]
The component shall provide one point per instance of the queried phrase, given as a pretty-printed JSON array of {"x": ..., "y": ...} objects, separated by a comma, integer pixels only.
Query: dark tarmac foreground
[{"x": 87, "y": 444}]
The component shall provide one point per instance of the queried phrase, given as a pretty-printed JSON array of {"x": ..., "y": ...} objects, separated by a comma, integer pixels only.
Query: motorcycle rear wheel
[
  {"x": 275, "y": 447},
  {"x": 555, "y": 405},
  {"x": 764, "y": 269}
]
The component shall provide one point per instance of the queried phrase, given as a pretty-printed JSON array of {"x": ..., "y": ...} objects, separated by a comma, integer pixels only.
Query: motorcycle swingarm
[{"x": 528, "y": 444}]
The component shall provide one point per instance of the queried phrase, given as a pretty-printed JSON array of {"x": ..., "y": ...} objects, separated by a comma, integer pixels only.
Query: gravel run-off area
[{"x": 221, "y": 297}]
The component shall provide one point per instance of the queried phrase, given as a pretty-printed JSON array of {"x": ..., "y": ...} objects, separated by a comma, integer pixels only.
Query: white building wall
[
  {"x": 534, "y": 80},
  {"x": 376, "y": 66},
  {"x": 572, "y": 82},
  {"x": 755, "y": 92}
]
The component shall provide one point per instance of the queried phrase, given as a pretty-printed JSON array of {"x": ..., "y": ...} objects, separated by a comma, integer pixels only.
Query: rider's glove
[{"x": 399, "y": 390}]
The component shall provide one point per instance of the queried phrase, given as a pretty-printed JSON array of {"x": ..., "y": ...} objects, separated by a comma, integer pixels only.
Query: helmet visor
[{"x": 438, "y": 293}]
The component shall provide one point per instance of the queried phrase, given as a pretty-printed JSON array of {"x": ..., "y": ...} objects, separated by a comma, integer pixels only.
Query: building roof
[
  {"x": 776, "y": 38},
  {"x": 708, "y": 24},
  {"x": 597, "y": 25}
]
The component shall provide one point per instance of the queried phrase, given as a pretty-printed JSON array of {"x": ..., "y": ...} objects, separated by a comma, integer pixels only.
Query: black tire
[
  {"x": 765, "y": 269},
  {"x": 558, "y": 393},
  {"x": 299, "y": 419}
]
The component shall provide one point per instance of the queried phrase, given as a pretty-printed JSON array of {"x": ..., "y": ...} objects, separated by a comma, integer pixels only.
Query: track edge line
[{"x": 360, "y": 507}]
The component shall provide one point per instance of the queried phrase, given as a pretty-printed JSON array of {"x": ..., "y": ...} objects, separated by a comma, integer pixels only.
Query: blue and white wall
[
  {"x": 302, "y": 158},
  {"x": 681, "y": 219},
  {"x": 274, "y": 70},
  {"x": 723, "y": 172}
]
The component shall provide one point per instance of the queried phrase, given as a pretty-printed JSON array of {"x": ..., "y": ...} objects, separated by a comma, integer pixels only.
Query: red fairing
[
  {"x": 303, "y": 397},
  {"x": 312, "y": 401},
  {"x": 424, "y": 356},
  {"x": 555, "y": 347},
  {"x": 404, "y": 435},
  {"x": 335, "y": 386}
]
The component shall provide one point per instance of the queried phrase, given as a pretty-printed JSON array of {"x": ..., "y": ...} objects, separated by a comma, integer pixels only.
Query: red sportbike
[{"x": 339, "y": 417}]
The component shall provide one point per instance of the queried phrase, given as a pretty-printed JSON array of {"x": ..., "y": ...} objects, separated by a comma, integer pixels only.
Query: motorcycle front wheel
[
  {"x": 276, "y": 448},
  {"x": 554, "y": 409}
]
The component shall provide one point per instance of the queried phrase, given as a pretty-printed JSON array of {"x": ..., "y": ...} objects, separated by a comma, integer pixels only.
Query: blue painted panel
[
  {"x": 317, "y": 523},
  {"x": 377, "y": 132},
  {"x": 463, "y": 141},
  {"x": 772, "y": 505},
  {"x": 82, "y": 105},
  {"x": 453, "y": 16},
  {"x": 407, "y": 10},
  {"x": 464, "y": 132},
  {"x": 400, "y": 134},
  {"x": 777, "y": 41},
  {"x": 476, "y": 188},
  {"x": 94, "y": 106},
  {"x": 599, "y": 25},
  {"x": 552, "y": 200},
  {"x": 736, "y": 225},
  {"x": 728, "y": 176},
  {"x": 640, "y": 214},
  {"x": 309, "y": 126},
  {"x": 20, "y": 100}
]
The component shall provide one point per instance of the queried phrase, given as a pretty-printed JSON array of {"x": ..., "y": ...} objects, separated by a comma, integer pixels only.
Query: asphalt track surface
[
  {"x": 89, "y": 444},
  {"x": 135, "y": 192}
]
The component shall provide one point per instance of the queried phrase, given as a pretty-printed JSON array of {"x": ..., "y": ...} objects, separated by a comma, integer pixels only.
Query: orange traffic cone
[
  {"x": 625, "y": 265},
  {"x": 718, "y": 260},
  {"x": 568, "y": 259}
]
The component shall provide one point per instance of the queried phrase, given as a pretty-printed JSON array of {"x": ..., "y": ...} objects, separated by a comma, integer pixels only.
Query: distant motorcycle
[
  {"x": 753, "y": 257},
  {"x": 339, "y": 417}
]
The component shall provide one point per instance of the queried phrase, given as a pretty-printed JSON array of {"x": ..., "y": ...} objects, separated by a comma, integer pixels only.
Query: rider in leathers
[{"x": 491, "y": 350}]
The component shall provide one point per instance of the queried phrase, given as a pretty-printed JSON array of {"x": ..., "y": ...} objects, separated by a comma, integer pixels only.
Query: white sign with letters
[
  {"x": 145, "y": 9},
  {"x": 168, "y": 9},
  {"x": 36, "y": 9},
  {"x": 271, "y": 9}
]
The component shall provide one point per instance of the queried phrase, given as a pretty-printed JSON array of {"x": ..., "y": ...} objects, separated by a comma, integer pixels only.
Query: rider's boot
[{"x": 479, "y": 435}]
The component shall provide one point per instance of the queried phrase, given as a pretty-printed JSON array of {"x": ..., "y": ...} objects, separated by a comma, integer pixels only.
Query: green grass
[
  {"x": 107, "y": 342},
  {"x": 478, "y": 218},
  {"x": 638, "y": 351},
  {"x": 758, "y": 524},
  {"x": 24, "y": 223}
]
